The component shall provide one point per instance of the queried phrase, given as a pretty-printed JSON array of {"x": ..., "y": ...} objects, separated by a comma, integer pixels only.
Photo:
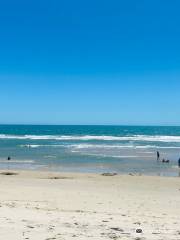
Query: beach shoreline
[
  {"x": 54, "y": 205},
  {"x": 121, "y": 149}
]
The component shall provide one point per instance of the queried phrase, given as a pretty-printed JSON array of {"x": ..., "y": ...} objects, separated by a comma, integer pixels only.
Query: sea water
[{"x": 121, "y": 149}]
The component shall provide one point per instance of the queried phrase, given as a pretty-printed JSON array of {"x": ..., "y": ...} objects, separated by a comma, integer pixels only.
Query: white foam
[
  {"x": 31, "y": 146},
  {"x": 116, "y": 156},
  {"x": 101, "y": 146},
  {"x": 16, "y": 161},
  {"x": 148, "y": 138},
  {"x": 111, "y": 156},
  {"x": 156, "y": 138},
  {"x": 50, "y": 156},
  {"x": 82, "y": 146}
]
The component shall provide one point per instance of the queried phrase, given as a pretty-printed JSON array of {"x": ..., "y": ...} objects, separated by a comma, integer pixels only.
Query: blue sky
[{"x": 90, "y": 62}]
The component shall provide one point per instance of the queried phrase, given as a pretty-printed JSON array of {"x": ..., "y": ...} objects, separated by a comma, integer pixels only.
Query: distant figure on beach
[
  {"x": 158, "y": 156},
  {"x": 179, "y": 162},
  {"x": 9, "y": 158}
]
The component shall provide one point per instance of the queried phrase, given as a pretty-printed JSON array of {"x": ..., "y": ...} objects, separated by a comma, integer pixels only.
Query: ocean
[{"x": 98, "y": 149}]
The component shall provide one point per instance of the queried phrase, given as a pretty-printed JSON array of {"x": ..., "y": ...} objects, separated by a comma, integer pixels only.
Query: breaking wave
[{"x": 146, "y": 138}]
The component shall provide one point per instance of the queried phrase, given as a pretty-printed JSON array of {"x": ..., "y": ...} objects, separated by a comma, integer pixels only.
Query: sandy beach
[{"x": 45, "y": 206}]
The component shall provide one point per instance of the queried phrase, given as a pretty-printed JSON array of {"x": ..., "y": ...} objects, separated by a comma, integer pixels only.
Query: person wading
[{"x": 158, "y": 156}]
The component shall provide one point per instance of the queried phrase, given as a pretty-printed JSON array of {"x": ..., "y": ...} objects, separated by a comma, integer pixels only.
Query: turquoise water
[{"x": 121, "y": 149}]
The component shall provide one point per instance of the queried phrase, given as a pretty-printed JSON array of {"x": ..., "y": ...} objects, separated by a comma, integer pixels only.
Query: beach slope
[{"x": 45, "y": 206}]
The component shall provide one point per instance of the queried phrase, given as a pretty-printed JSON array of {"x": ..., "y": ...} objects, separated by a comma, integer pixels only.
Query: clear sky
[{"x": 90, "y": 62}]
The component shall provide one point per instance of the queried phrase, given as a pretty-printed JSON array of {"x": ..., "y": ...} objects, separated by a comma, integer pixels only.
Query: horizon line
[{"x": 118, "y": 125}]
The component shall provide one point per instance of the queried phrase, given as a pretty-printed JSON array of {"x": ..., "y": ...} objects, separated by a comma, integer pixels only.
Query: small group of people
[{"x": 164, "y": 160}]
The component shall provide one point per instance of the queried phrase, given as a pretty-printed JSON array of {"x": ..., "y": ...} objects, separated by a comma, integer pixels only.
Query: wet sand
[{"x": 44, "y": 206}]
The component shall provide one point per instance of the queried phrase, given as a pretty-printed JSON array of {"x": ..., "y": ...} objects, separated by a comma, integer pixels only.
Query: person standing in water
[
  {"x": 179, "y": 163},
  {"x": 158, "y": 156}
]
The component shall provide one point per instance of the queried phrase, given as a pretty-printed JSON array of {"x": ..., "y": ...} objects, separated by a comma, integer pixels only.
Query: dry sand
[{"x": 47, "y": 206}]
